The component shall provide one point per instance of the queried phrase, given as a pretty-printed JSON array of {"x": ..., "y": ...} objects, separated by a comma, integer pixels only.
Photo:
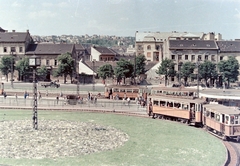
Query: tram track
[{"x": 233, "y": 150}]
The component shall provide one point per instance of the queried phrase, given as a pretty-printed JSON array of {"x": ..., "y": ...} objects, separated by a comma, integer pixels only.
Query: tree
[
  {"x": 65, "y": 66},
  {"x": 140, "y": 64},
  {"x": 42, "y": 72},
  {"x": 22, "y": 67},
  {"x": 229, "y": 69},
  {"x": 186, "y": 71},
  {"x": 124, "y": 69},
  {"x": 167, "y": 69},
  {"x": 105, "y": 71},
  {"x": 207, "y": 70},
  {"x": 6, "y": 64}
]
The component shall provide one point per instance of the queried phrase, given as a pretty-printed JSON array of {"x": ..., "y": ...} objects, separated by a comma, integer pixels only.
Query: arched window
[{"x": 149, "y": 47}]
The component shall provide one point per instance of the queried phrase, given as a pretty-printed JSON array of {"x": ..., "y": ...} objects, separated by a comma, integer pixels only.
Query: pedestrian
[
  {"x": 57, "y": 98},
  {"x": 39, "y": 95},
  {"x": 4, "y": 94},
  {"x": 128, "y": 100},
  {"x": 46, "y": 93},
  {"x": 61, "y": 94}
]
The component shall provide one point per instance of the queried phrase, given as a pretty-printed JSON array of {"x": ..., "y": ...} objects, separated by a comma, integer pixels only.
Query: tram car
[
  {"x": 178, "y": 104},
  {"x": 222, "y": 121},
  {"x": 125, "y": 91}
]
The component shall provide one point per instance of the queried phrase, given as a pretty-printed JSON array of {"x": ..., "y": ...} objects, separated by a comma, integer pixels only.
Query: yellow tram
[
  {"x": 125, "y": 91},
  {"x": 176, "y": 104},
  {"x": 222, "y": 120}
]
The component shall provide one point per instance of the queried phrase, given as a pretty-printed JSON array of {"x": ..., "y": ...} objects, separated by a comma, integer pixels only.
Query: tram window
[
  {"x": 135, "y": 90},
  {"x": 232, "y": 119},
  {"x": 218, "y": 118},
  {"x": 207, "y": 113},
  {"x": 236, "y": 122},
  {"x": 236, "y": 117},
  {"x": 227, "y": 119},
  {"x": 115, "y": 90},
  {"x": 155, "y": 102},
  {"x": 212, "y": 114},
  {"x": 122, "y": 90},
  {"x": 129, "y": 90}
]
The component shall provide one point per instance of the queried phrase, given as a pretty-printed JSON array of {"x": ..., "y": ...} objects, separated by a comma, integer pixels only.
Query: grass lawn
[{"x": 151, "y": 142}]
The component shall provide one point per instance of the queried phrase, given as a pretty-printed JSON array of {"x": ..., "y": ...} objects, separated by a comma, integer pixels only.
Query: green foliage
[
  {"x": 105, "y": 71},
  {"x": 65, "y": 66},
  {"x": 229, "y": 69},
  {"x": 167, "y": 69},
  {"x": 6, "y": 64},
  {"x": 186, "y": 71},
  {"x": 23, "y": 67},
  {"x": 42, "y": 71},
  {"x": 124, "y": 69},
  {"x": 207, "y": 70},
  {"x": 140, "y": 64}
]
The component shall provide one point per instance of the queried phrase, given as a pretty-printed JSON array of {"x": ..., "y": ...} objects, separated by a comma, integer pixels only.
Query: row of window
[
  {"x": 47, "y": 62},
  {"x": 12, "y": 49},
  {"x": 193, "y": 57}
]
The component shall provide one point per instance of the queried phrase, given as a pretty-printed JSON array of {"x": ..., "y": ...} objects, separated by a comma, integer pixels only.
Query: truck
[{"x": 50, "y": 84}]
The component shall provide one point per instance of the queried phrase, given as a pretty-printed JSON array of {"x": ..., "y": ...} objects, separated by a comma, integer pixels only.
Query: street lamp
[{"x": 34, "y": 61}]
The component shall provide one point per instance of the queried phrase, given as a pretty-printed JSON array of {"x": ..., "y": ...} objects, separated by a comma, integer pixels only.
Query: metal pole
[
  {"x": 78, "y": 87},
  {"x": 197, "y": 79},
  {"x": 93, "y": 88},
  {"x": 135, "y": 70},
  {"x": 35, "y": 118},
  {"x": 12, "y": 70}
]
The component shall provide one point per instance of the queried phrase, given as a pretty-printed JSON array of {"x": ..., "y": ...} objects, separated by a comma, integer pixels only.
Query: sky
[{"x": 121, "y": 17}]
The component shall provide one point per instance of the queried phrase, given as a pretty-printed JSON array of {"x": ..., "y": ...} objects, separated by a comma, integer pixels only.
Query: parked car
[{"x": 50, "y": 84}]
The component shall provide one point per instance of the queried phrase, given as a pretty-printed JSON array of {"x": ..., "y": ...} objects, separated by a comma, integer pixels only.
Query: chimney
[
  {"x": 27, "y": 30},
  {"x": 13, "y": 30}
]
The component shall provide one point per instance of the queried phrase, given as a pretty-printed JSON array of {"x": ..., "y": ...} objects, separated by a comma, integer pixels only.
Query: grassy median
[{"x": 151, "y": 142}]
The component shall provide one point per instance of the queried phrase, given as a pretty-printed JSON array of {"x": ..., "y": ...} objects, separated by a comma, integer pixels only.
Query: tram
[
  {"x": 222, "y": 121},
  {"x": 125, "y": 91}
]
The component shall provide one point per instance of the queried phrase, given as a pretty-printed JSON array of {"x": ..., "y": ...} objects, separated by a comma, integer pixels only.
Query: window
[
  {"x": 55, "y": 62},
  {"x": 221, "y": 58},
  {"x": 20, "y": 49},
  {"x": 173, "y": 57},
  {"x": 5, "y": 49},
  {"x": 213, "y": 58},
  {"x": 193, "y": 57},
  {"x": 47, "y": 62},
  {"x": 139, "y": 47},
  {"x": 149, "y": 54},
  {"x": 199, "y": 58},
  {"x": 13, "y": 49},
  {"x": 186, "y": 57},
  {"x": 148, "y": 47},
  {"x": 206, "y": 57},
  {"x": 179, "y": 57}
]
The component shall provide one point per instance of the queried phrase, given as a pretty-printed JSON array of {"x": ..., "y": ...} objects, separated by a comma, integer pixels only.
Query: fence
[{"x": 61, "y": 103}]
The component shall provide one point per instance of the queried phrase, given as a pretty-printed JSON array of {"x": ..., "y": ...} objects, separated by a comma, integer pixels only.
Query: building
[{"x": 49, "y": 53}]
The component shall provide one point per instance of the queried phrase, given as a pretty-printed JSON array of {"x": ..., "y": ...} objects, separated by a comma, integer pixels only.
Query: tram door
[{"x": 223, "y": 124}]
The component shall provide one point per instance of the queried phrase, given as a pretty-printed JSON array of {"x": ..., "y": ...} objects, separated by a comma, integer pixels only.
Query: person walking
[{"x": 57, "y": 99}]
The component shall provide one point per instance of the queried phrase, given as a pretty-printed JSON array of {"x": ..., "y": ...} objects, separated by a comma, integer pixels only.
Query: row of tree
[
  {"x": 65, "y": 67},
  {"x": 227, "y": 69},
  {"x": 124, "y": 69}
]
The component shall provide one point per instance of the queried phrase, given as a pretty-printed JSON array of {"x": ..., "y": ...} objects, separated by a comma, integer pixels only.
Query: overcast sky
[{"x": 121, "y": 17}]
